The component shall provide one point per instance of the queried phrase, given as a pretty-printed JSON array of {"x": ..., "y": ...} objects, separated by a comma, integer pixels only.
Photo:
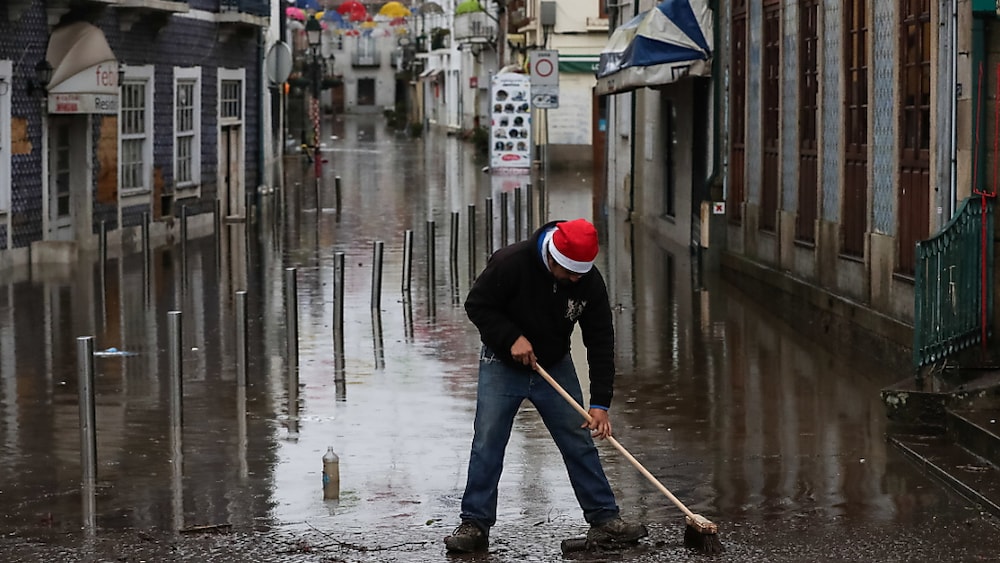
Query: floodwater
[{"x": 770, "y": 436}]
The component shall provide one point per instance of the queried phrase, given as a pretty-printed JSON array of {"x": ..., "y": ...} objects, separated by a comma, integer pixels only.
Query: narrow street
[{"x": 778, "y": 441}]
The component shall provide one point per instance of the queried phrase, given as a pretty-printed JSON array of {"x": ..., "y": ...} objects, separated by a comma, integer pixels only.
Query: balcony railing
[
  {"x": 366, "y": 59},
  {"x": 254, "y": 7},
  {"x": 474, "y": 27}
]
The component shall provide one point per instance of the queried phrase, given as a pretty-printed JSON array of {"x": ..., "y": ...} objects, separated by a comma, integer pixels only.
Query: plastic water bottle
[{"x": 331, "y": 474}]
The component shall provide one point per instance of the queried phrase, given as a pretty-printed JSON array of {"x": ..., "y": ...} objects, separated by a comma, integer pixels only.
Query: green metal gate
[{"x": 953, "y": 286}]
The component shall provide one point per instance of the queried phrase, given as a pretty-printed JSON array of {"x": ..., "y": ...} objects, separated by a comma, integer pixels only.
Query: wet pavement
[{"x": 778, "y": 441}]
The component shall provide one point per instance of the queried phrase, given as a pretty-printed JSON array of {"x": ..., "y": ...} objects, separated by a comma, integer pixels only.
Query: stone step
[
  {"x": 977, "y": 430},
  {"x": 972, "y": 476}
]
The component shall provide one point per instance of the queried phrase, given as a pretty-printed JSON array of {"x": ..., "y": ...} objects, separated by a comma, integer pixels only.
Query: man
[{"x": 525, "y": 304}]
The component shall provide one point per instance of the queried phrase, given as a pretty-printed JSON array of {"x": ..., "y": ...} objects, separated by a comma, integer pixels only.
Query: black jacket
[{"x": 517, "y": 295}]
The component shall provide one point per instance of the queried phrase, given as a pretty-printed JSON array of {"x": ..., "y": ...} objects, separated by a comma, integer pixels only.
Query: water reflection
[{"x": 740, "y": 417}]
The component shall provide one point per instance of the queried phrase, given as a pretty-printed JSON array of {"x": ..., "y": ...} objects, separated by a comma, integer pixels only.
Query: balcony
[
  {"x": 366, "y": 60},
  {"x": 475, "y": 27},
  {"x": 597, "y": 24},
  {"x": 243, "y": 16},
  {"x": 157, "y": 12}
]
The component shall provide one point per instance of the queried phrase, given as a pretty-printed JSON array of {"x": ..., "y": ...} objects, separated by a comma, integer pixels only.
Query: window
[
  {"x": 737, "y": 147},
  {"x": 854, "y": 221},
  {"x": 805, "y": 221},
  {"x": 231, "y": 99},
  {"x": 187, "y": 127},
  {"x": 771, "y": 118},
  {"x": 135, "y": 125},
  {"x": 914, "y": 130}
]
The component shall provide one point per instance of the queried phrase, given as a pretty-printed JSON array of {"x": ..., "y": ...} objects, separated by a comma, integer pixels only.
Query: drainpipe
[
  {"x": 715, "y": 184},
  {"x": 631, "y": 141}
]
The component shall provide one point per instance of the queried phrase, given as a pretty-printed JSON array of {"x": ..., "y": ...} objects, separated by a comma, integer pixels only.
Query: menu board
[{"x": 510, "y": 121}]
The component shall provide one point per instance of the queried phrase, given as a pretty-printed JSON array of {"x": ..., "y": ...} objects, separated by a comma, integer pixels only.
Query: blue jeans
[{"x": 501, "y": 390}]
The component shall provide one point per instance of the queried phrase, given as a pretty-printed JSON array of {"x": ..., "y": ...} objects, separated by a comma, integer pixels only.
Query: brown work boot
[
  {"x": 616, "y": 531},
  {"x": 467, "y": 538}
]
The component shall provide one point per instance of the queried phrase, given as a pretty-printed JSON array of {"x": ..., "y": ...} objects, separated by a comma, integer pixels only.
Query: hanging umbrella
[
  {"x": 430, "y": 8},
  {"x": 468, "y": 7},
  {"x": 353, "y": 10},
  {"x": 334, "y": 17},
  {"x": 657, "y": 47},
  {"x": 307, "y": 4},
  {"x": 295, "y": 13},
  {"x": 397, "y": 21},
  {"x": 394, "y": 10}
]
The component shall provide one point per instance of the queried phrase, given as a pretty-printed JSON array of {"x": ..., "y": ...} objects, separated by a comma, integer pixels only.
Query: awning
[
  {"x": 658, "y": 47},
  {"x": 84, "y": 71},
  {"x": 430, "y": 73},
  {"x": 579, "y": 64}
]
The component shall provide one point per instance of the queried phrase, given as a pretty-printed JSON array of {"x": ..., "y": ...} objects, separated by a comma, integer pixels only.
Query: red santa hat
[{"x": 574, "y": 245}]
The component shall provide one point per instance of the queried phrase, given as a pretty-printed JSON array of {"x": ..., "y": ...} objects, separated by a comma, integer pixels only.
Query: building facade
[
  {"x": 843, "y": 133},
  {"x": 115, "y": 111}
]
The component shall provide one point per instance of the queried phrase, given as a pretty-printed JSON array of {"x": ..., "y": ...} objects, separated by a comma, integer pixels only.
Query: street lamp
[{"x": 314, "y": 34}]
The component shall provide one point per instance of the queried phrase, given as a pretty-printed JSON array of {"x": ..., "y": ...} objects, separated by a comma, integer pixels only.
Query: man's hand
[
  {"x": 522, "y": 352},
  {"x": 600, "y": 424}
]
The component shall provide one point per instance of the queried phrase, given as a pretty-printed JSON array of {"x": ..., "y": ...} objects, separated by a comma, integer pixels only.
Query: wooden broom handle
[{"x": 586, "y": 415}]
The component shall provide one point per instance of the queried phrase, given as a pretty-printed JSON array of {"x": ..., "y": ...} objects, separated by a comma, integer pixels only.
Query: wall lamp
[{"x": 40, "y": 83}]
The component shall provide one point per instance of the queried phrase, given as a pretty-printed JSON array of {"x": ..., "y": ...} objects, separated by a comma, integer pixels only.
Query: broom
[{"x": 700, "y": 533}]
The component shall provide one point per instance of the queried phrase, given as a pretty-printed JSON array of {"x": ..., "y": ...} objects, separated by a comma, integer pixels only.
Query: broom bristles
[{"x": 702, "y": 535}]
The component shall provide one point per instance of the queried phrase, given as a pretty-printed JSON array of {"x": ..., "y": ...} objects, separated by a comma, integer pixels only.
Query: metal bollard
[
  {"x": 430, "y": 254},
  {"x": 339, "y": 374},
  {"x": 336, "y": 186},
  {"x": 503, "y": 218},
  {"x": 472, "y": 241},
  {"x": 184, "y": 224},
  {"x": 88, "y": 430},
  {"x": 217, "y": 225},
  {"x": 102, "y": 243},
  {"x": 175, "y": 352},
  {"x": 147, "y": 280},
  {"x": 377, "y": 276},
  {"x": 378, "y": 344},
  {"x": 529, "y": 210},
  {"x": 338, "y": 299},
  {"x": 517, "y": 214},
  {"x": 431, "y": 275},
  {"x": 407, "y": 262},
  {"x": 241, "y": 338},
  {"x": 489, "y": 227},
  {"x": 292, "y": 319},
  {"x": 453, "y": 248}
]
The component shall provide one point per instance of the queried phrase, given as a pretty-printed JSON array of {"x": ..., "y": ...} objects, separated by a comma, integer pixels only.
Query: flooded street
[{"x": 776, "y": 440}]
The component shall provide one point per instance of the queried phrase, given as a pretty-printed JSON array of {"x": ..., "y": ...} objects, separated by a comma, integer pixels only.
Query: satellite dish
[{"x": 278, "y": 63}]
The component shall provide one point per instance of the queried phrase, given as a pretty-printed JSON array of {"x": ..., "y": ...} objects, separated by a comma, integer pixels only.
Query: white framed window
[
  {"x": 135, "y": 131},
  {"x": 6, "y": 93},
  {"x": 187, "y": 127},
  {"x": 231, "y": 100}
]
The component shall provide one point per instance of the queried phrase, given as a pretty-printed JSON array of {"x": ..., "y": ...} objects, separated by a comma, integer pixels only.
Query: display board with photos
[{"x": 510, "y": 121}]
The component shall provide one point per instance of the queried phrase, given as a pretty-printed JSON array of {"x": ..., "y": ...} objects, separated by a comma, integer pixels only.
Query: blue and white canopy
[{"x": 658, "y": 47}]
